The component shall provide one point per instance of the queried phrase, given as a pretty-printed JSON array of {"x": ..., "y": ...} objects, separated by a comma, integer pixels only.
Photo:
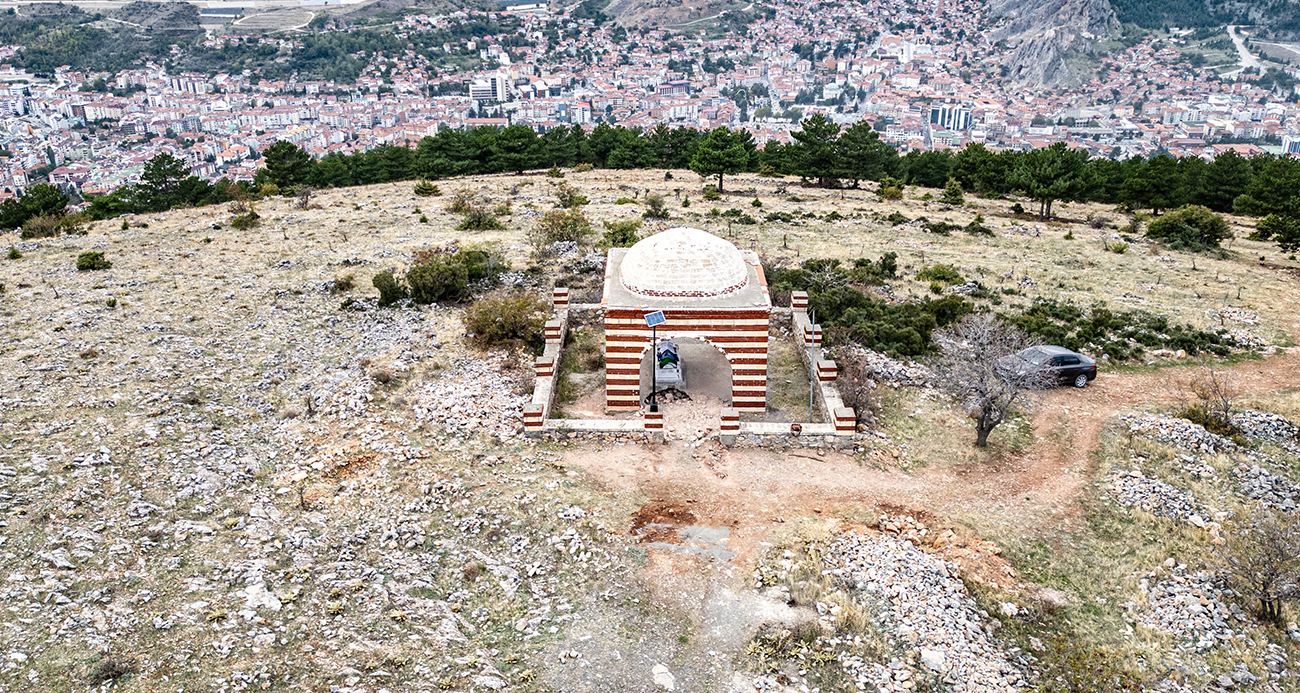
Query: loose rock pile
[
  {"x": 1189, "y": 606},
  {"x": 476, "y": 396},
  {"x": 1134, "y": 490},
  {"x": 1178, "y": 432},
  {"x": 886, "y": 369},
  {"x": 1269, "y": 426},
  {"x": 930, "y": 611},
  {"x": 1270, "y": 489}
]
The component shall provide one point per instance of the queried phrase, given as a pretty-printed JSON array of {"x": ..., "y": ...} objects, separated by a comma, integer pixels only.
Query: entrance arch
[{"x": 706, "y": 369}]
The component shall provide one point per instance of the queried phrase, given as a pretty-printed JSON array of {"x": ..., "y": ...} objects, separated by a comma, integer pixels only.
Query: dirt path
[{"x": 752, "y": 491}]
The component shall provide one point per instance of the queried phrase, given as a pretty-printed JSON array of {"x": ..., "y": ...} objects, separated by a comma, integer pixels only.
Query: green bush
[
  {"x": 560, "y": 225},
  {"x": 1192, "y": 227},
  {"x": 952, "y": 193},
  {"x": 896, "y": 219},
  {"x": 756, "y": 203},
  {"x": 49, "y": 226},
  {"x": 508, "y": 318},
  {"x": 686, "y": 200},
  {"x": 554, "y": 172},
  {"x": 390, "y": 290},
  {"x": 92, "y": 260},
  {"x": 977, "y": 227},
  {"x": 568, "y": 197},
  {"x": 426, "y": 188},
  {"x": 655, "y": 207},
  {"x": 945, "y": 274},
  {"x": 461, "y": 202},
  {"x": 620, "y": 234},
  {"x": 1199, "y": 415},
  {"x": 14, "y": 254},
  {"x": 244, "y": 222},
  {"x": 444, "y": 275},
  {"x": 479, "y": 219},
  {"x": 890, "y": 189},
  {"x": 125, "y": 225},
  {"x": 582, "y": 168},
  {"x": 1118, "y": 247},
  {"x": 1120, "y": 335},
  {"x": 711, "y": 193},
  {"x": 625, "y": 201}
]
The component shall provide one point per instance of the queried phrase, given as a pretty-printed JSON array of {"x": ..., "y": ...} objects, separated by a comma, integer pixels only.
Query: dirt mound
[{"x": 662, "y": 513}]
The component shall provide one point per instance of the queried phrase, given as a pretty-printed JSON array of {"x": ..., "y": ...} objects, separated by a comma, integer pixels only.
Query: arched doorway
[{"x": 706, "y": 370}]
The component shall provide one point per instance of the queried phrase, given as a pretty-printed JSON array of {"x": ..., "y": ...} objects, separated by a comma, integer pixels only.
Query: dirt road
[{"x": 753, "y": 490}]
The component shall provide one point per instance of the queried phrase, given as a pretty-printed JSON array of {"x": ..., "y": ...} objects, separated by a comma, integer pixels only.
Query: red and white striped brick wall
[{"x": 740, "y": 334}]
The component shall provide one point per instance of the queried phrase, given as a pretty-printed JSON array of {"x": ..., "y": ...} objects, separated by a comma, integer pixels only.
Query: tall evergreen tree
[
  {"x": 286, "y": 164},
  {"x": 1050, "y": 174},
  {"x": 720, "y": 152}
]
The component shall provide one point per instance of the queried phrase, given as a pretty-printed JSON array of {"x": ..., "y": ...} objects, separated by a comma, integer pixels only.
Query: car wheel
[{"x": 1081, "y": 381}]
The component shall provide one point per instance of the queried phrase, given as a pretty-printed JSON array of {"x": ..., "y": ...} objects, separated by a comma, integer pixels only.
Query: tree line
[{"x": 821, "y": 153}]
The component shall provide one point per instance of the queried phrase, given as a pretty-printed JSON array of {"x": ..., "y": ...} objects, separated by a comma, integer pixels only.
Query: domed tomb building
[{"x": 708, "y": 289}]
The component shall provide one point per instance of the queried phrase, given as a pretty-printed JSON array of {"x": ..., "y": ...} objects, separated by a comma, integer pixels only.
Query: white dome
[{"x": 685, "y": 263}]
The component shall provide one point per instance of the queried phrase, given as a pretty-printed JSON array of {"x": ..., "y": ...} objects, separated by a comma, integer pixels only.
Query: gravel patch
[
  {"x": 929, "y": 610},
  {"x": 1192, "y": 607},
  {"x": 1132, "y": 489}
]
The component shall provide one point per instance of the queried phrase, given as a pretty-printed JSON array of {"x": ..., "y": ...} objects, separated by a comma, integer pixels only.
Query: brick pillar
[
  {"x": 846, "y": 421},
  {"x": 544, "y": 366},
  {"x": 533, "y": 419},
  {"x": 554, "y": 331},
  {"x": 827, "y": 370},
  {"x": 812, "y": 335},
  {"x": 799, "y": 300},
  {"x": 730, "y": 426},
  {"x": 560, "y": 297}
]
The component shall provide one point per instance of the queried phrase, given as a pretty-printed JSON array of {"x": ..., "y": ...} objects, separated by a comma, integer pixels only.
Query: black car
[{"x": 1069, "y": 367}]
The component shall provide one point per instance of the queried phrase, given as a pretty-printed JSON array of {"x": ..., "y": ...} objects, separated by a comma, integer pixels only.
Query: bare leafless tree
[
  {"x": 304, "y": 196},
  {"x": 977, "y": 365},
  {"x": 1261, "y": 558},
  {"x": 1214, "y": 391}
]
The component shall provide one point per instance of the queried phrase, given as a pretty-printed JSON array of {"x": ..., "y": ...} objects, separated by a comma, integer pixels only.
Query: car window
[
  {"x": 1069, "y": 360},
  {"x": 1056, "y": 361}
]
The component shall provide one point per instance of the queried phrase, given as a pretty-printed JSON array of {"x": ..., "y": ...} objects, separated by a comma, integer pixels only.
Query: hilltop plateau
[{"x": 224, "y": 467}]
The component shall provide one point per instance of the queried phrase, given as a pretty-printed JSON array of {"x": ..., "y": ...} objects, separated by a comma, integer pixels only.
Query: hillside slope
[{"x": 1052, "y": 34}]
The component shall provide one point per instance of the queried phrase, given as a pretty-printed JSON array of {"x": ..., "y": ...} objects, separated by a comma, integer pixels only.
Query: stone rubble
[
  {"x": 886, "y": 369},
  {"x": 475, "y": 396},
  {"x": 930, "y": 611},
  {"x": 1134, "y": 490},
  {"x": 1192, "y": 607}
]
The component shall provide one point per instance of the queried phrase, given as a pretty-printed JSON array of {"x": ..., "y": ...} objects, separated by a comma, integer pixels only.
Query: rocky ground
[{"x": 223, "y": 470}]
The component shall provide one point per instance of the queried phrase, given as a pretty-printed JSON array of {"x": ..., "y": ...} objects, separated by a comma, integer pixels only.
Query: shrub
[
  {"x": 560, "y": 225},
  {"x": 945, "y": 274},
  {"x": 1192, "y": 227},
  {"x": 343, "y": 284},
  {"x": 1114, "y": 333},
  {"x": 620, "y": 234},
  {"x": 503, "y": 210},
  {"x": 896, "y": 219},
  {"x": 668, "y": 175},
  {"x": 832, "y": 216},
  {"x": 445, "y": 275},
  {"x": 1069, "y": 235},
  {"x": 756, "y": 203},
  {"x": 977, "y": 227},
  {"x": 1017, "y": 208},
  {"x": 14, "y": 254},
  {"x": 1118, "y": 247},
  {"x": 655, "y": 208},
  {"x": 1098, "y": 221},
  {"x": 952, "y": 193},
  {"x": 390, "y": 290},
  {"x": 424, "y": 219},
  {"x": 268, "y": 190},
  {"x": 125, "y": 225},
  {"x": 426, "y": 188},
  {"x": 92, "y": 260},
  {"x": 582, "y": 168},
  {"x": 856, "y": 385},
  {"x": 110, "y": 669},
  {"x": 1261, "y": 559},
  {"x": 686, "y": 200},
  {"x": 507, "y": 318},
  {"x": 568, "y": 197},
  {"x": 244, "y": 222},
  {"x": 890, "y": 189},
  {"x": 50, "y": 226},
  {"x": 461, "y": 202},
  {"x": 625, "y": 201},
  {"x": 711, "y": 193},
  {"x": 554, "y": 172},
  {"x": 479, "y": 219}
]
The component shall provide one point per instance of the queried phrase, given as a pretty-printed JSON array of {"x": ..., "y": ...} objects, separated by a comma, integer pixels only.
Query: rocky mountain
[{"x": 1052, "y": 36}]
